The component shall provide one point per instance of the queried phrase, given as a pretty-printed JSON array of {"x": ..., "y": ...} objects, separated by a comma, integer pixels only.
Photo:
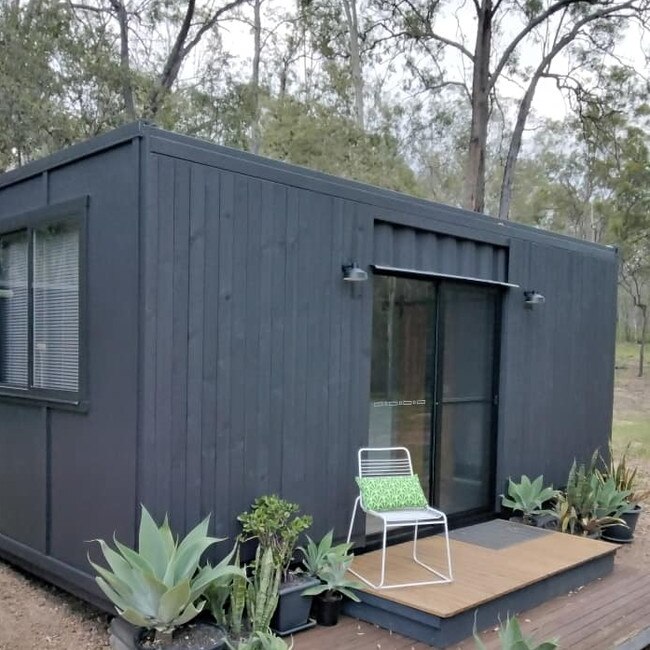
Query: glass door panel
[
  {"x": 466, "y": 398},
  {"x": 402, "y": 376}
]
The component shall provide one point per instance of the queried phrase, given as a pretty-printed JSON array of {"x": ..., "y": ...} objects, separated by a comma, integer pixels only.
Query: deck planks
[
  {"x": 480, "y": 574},
  {"x": 604, "y": 615}
]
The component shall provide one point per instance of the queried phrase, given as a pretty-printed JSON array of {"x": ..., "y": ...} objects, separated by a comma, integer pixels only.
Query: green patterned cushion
[{"x": 391, "y": 492}]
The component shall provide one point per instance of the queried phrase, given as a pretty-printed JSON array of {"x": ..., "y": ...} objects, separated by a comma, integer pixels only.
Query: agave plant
[
  {"x": 316, "y": 557},
  {"x": 528, "y": 497},
  {"x": 334, "y": 581},
  {"x": 512, "y": 638},
  {"x": 159, "y": 586}
]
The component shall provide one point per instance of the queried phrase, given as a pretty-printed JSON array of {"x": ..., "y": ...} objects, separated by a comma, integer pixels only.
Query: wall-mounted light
[
  {"x": 532, "y": 298},
  {"x": 353, "y": 273}
]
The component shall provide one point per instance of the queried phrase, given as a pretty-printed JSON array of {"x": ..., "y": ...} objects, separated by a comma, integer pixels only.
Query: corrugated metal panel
[{"x": 403, "y": 247}]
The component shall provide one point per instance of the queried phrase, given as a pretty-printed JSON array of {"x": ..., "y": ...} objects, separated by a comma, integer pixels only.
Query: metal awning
[{"x": 443, "y": 276}]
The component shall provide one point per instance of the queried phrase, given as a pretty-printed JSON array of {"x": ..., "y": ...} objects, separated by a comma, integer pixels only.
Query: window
[{"x": 40, "y": 307}]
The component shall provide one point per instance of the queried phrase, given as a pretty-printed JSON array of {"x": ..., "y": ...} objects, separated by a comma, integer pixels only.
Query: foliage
[
  {"x": 623, "y": 476},
  {"x": 275, "y": 523},
  {"x": 589, "y": 504},
  {"x": 528, "y": 497},
  {"x": 512, "y": 638},
  {"x": 316, "y": 557},
  {"x": 334, "y": 581},
  {"x": 262, "y": 595},
  {"x": 262, "y": 641},
  {"x": 158, "y": 586}
]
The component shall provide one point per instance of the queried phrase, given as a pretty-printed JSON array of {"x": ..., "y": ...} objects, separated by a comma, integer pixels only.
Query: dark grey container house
[{"x": 175, "y": 330}]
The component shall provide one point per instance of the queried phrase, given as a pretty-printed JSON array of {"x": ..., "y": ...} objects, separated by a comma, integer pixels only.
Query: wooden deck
[
  {"x": 480, "y": 574},
  {"x": 610, "y": 613}
]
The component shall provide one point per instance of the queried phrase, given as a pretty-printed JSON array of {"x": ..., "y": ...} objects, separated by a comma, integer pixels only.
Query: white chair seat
[
  {"x": 421, "y": 515},
  {"x": 396, "y": 461}
]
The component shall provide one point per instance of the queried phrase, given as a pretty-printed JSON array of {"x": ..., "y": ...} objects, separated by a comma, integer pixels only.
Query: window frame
[{"x": 74, "y": 212}]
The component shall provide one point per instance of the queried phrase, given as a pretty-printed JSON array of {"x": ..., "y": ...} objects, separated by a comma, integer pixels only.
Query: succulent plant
[
  {"x": 511, "y": 638},
  {"x": 160, "y": 585},
  {"x": 262, "y": 641},
  {"x": 317, "y": 556},
  {"x": 528, "y": 497},
  {"x": 333, "y": 578}
]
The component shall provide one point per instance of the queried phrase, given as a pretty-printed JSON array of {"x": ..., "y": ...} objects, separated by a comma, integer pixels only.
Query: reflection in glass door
[
  {"x": 432, "y": 384},
  {"x": 403, "y": 370},
  {"x": 466, "y": 398}
]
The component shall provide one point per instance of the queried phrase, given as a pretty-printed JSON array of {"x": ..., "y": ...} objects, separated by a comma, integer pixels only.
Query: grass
[
  {"x": 627, "y": 355},
  {"x": 636, "y": 433}
]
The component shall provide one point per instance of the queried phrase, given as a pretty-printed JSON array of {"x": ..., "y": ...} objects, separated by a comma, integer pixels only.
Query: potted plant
[
  {"x": 159, "y": 588},
  {"x": 276, "y": 525},
  {"x": 589, "y": 505},
  {"x": 333, "y": 586},
  {"x": 329, "y": 563},
  {"x": 625, "y": 478},
  {"x": 529, "y": 497}
]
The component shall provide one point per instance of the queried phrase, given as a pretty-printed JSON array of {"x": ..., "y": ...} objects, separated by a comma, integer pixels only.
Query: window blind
[
  {"x": 14, "y": 309},
  {"x": 56, "y": 307}
]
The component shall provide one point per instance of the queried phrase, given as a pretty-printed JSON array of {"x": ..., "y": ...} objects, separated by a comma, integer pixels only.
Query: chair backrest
[{"x": 384, "y": 461}]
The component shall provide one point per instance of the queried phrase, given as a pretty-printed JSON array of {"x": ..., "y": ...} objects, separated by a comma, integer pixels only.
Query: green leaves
[
  {"x": 316, "y": 557},
  {"x": 528, "y": 496},
  {"x": 512, "y": 638},
  {"x": 158, "y": 586},
  {"x": 276, "y": 524}
]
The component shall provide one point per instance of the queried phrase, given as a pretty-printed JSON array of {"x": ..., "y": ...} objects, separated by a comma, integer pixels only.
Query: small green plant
[
  {"x": 528, "y": 497},
  {"x": 512, "y": 638},
  {"x": 316, "y": 557},
  {"x": 262, "y": 596},
  {"x": 590, "y": 502},
  {"x": 159, "y": 586},
  {"x": 275, "y": 523},
  {"x": 334, "y": 580},
  {"x": 624, "y": 476},
  {"x": 262, "y": 641}
]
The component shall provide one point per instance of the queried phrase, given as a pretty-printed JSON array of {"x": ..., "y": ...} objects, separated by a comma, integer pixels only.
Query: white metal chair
[{"x": 396, "y": 461}]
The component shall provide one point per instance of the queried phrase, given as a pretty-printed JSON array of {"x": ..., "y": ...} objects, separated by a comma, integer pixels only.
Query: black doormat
[{"x": 497, "y": 534}]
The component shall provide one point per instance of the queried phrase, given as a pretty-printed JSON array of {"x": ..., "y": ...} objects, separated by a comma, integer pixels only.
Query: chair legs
[{"x": 441, "y": 578}]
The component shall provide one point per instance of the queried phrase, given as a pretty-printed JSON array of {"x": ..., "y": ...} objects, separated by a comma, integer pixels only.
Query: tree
[{"x": 546, "y": 26}]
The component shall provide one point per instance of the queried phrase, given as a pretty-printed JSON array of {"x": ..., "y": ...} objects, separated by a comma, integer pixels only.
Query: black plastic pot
[
  {"x": 292, "y": 613},
  {"x": 327, "y": 609},
  {"x": 623, "y": 534},
  {"x": 124, "y": 636}
]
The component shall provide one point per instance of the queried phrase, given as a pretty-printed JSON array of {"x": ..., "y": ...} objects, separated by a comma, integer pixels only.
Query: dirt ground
[{"x": 35, "y": 615}]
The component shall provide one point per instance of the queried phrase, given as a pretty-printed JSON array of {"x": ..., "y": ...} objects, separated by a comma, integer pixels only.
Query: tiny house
[{"x": 188, "y": 326}]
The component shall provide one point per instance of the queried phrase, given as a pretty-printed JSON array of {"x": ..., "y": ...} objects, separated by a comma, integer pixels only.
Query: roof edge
[{"x": 74, "y": 152}]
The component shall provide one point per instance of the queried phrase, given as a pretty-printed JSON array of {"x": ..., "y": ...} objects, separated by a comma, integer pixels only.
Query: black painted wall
[{"x": 228, "y": 359}]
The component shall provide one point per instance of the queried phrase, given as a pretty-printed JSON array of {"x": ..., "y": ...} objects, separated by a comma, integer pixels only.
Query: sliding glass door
[{"x": 433, "y": 384}]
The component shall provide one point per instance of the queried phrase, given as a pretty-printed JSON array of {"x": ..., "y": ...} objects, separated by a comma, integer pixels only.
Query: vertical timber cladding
[
  {"x": 261, "y": 352},
  {"x": 558, "y": 361}
]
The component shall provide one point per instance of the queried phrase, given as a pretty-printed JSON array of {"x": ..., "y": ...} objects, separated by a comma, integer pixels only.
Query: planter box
[{"x": 292, "y": 613}]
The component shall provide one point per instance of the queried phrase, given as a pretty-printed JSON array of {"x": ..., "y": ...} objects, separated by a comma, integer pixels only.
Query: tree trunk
[
  {"x": 125, "y": 58},
  {"x": 255, "y": 77},
  {"x": 350, "y": 7},
  {"x": 644, "y": 332},
  {"x": 514, "y": 148},
  {"x": 475, "y": 174}
]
